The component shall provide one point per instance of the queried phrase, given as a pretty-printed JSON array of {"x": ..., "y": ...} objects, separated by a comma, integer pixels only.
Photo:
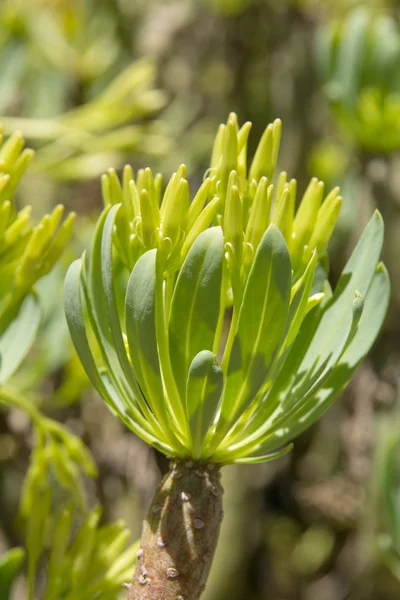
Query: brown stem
[{"x": 179, "y": 534}]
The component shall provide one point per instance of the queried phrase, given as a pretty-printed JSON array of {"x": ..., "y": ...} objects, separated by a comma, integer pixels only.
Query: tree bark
[{"x": 179, "y": 534}]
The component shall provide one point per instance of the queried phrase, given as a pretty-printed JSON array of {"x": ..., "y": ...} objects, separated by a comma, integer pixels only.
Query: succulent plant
[{"x": 221, "y": 339}]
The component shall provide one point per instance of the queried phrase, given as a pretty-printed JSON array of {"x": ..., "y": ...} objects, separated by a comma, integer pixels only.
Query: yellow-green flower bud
[
  {"x": 284, "y": 212},
  {"x": 150, "y": 219},
  {"x": 233, "y": 219},
  {"x": 174, "y": 210},
  {"x": 327, "y": 218},
  {"x": 229, "y": 161},
  {"x": 11, "y": 150},
  {"x": 172, "y": 190},
  {"x": 264, "y": 161},
  {"x": 197, "y": 204},
  {"x": 260, "y": 213},
  {"x": 242, "y": 138},
  {"x": 305, "y": 219}
]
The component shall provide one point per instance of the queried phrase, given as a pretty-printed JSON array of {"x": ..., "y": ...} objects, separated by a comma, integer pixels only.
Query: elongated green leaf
[
  {"x": 10, "y": 565},
  {"x": 298, "y": 306},
  {"x": 337, "y": 317},
  {"x": 98, "y": 312},
  {"x": 140, "y": 319},
  {"x": 375, "y": 308},
  {"x": 261, "y": 324},
  {"x": 203, "y": 392},
  {"x": 107, "y": 275},
  {"x": 19, "y": 336},
  {"x": 320, "y": 343},
  {"x": 103, "y": 314},
  {"x": 74, "y": 310},
  {"x": 311, "y": 408},
  {"x": 260, "y": 458},
  {"x": 196, "y": 303}
]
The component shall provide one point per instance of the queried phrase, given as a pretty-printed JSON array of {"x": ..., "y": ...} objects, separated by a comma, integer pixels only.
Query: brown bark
[{"x": 179, "y": 534}]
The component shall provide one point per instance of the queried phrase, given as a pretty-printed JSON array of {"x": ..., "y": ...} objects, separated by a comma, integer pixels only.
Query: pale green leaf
[
  {"x": 18, "y": 337},
  {"x": 140, "y": 319},
  {"x": 203, "y": 392},
  {"x": 74, "y": 310},
  {"x": 196, "y": 303},
  {"x": 261, "y": 324}
]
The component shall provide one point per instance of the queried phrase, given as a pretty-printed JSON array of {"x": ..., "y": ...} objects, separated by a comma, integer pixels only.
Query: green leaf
[
  {"x": 326, "y": 333},
  {"x": 103, "y": 314},
  {"x": 203, "y": 392},
  {"x": 140, "y": 320},
  {"x": 196, "y": 303},
  {"x": 248, "y": 460},
  {"x": 375, "y": 308},
  {"x": 261, "y": 324},
  {"x": 310, "y": 409},
  {"x": 298, "y": 308},
  {"x": 106, "y": 273},
  {"x": 299, "y": 302},
  {"x": 10, "y": 565},
  {"x": 75, "y": 305},
  {"x": 18, "y": 337},
  {"x": 312, "y": 359}
]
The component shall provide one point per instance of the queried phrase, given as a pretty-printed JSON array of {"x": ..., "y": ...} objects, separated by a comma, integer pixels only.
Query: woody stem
[{"x": 179, "y": 534}]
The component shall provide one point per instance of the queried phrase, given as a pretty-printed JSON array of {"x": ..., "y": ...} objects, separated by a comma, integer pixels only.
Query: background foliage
[{"x": 93, "y": 84}]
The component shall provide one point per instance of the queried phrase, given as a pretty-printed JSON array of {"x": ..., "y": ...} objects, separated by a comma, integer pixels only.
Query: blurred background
[{"x": 94, "y": 84}]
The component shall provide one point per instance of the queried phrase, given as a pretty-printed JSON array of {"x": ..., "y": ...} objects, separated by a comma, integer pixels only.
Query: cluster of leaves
[
  {"x": 153, "y": 346},
  {"x": 359, "y": 64},
  {"x": 80, "y": 566}
]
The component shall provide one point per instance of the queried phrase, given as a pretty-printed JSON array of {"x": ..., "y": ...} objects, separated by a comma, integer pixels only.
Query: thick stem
[{"x": 179, "y": 535}]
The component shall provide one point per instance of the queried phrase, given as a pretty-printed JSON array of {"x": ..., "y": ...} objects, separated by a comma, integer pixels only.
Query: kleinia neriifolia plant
[{"x": 208, "y": 325}]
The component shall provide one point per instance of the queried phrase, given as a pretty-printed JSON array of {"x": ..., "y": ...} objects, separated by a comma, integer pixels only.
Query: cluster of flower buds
[{"x": 27, "y": 251}]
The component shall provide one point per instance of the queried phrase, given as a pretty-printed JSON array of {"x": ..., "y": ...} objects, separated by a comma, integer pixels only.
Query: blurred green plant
[
  {"x": 10, "y": 565},
  {"x": 359, "y": 64},
  {"x": 46, "y": 47},
  {"x": 152, "y": 344},
  {"x": 389, "y": 499},
  {"x": 28, "y": 253},
  {"x": 81, "y": 142},
  {"x": 51, "y": 52}
]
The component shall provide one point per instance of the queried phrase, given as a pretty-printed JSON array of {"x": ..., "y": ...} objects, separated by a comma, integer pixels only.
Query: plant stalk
[{"x": 179, "y": 534}]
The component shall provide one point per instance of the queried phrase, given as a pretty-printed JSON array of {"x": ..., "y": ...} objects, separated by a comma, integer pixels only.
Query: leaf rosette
[{"x": 225, "y": 341}]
